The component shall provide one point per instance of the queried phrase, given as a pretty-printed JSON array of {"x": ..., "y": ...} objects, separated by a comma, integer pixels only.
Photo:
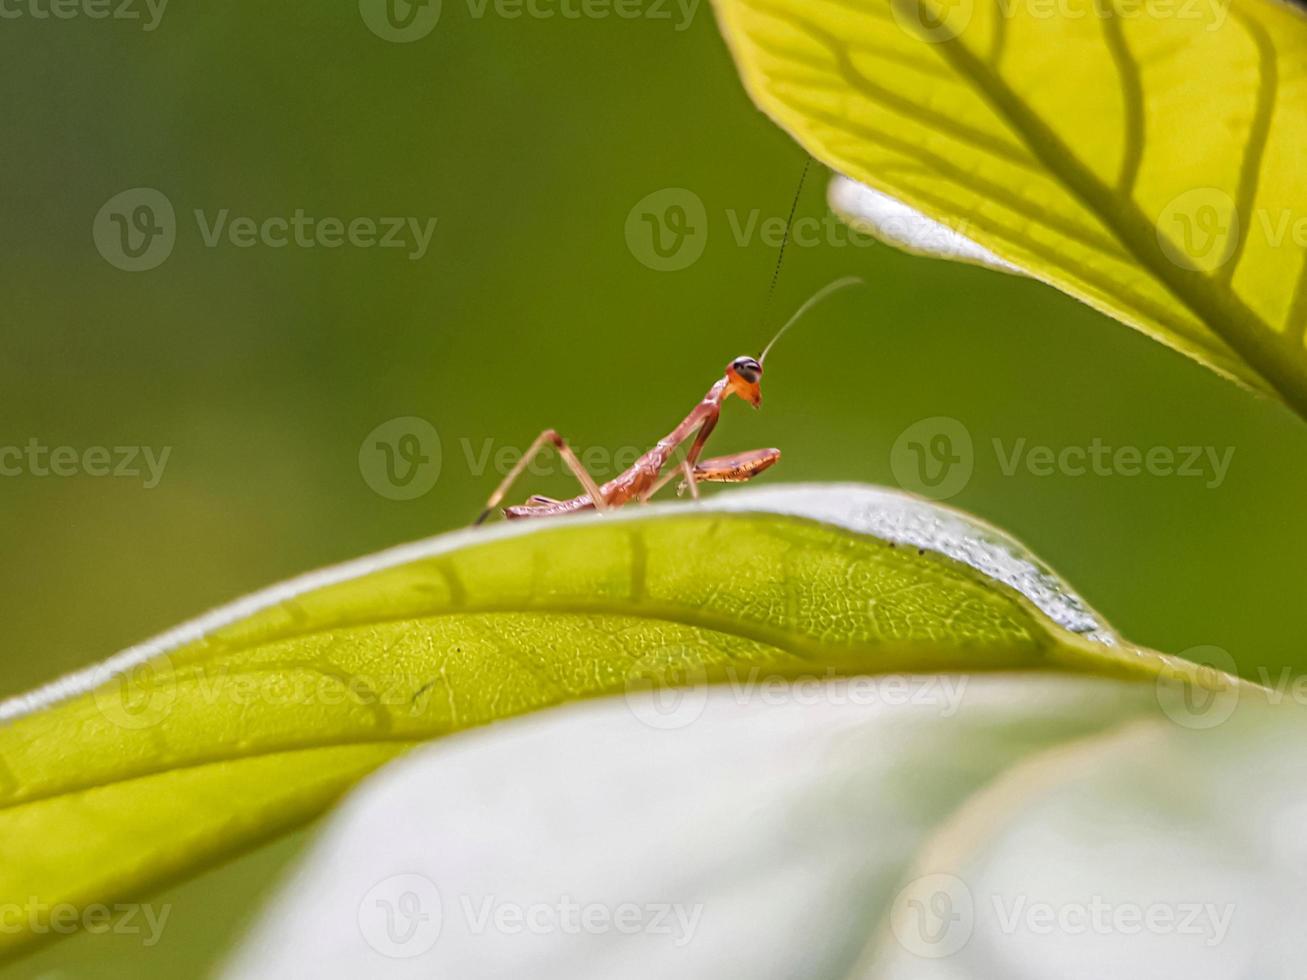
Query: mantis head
[{"x": 743, "y": 378}]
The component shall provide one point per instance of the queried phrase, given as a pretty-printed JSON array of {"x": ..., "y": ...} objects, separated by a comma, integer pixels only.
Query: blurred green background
[{"x": 530, "y": 140}]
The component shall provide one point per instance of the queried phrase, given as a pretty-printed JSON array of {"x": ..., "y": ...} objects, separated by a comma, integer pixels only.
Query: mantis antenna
[
  {"x": 785, "y": 238},
  {"x": 813, "y": 300}
]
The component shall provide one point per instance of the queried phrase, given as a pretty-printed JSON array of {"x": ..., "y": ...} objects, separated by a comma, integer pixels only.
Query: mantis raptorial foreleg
[{"x": 736, "y": 468}]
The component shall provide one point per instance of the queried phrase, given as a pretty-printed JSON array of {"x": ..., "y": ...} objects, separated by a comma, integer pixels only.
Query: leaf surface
[{"x": 255, "y": 718}]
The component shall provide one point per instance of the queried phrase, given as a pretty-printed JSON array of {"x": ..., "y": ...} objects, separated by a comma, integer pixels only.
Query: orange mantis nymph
[{"x": 651, "y": 472}]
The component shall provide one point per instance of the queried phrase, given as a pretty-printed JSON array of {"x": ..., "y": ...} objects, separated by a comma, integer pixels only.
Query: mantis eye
[{"x": 747, "y": 368}]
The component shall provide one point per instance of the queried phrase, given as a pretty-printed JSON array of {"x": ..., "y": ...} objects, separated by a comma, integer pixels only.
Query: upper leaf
[
  {"x": 254, "y": 718},
  {"x": 1143, "y": 157}
]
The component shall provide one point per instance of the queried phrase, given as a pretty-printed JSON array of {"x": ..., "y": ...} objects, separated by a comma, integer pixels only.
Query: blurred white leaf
[
  {"x": 913, "y": 826},
  {"x": 895, "y": 223}
]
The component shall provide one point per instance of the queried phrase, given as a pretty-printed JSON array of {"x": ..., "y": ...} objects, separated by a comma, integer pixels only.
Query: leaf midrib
[{"x": 1221, "y": 309}]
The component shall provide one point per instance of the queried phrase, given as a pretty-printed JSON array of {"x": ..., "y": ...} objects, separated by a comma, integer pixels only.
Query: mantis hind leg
[{"x": 547, "y": 438}]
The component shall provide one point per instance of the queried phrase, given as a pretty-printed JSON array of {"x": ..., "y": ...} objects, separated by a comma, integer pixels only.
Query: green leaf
[
  {"x": 1145, "y": 157},
  {"x": 255, "y": 718},
  {"x": 913, "y": 827}
]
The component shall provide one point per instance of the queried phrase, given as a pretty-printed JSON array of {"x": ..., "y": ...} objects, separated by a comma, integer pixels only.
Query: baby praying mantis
[{"x": 646, "y": 475}]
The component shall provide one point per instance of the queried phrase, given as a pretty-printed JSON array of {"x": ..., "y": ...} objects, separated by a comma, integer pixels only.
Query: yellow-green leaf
[
  {"x": 1145, "y": 156},
  {"x": 254, "y": 718}
]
